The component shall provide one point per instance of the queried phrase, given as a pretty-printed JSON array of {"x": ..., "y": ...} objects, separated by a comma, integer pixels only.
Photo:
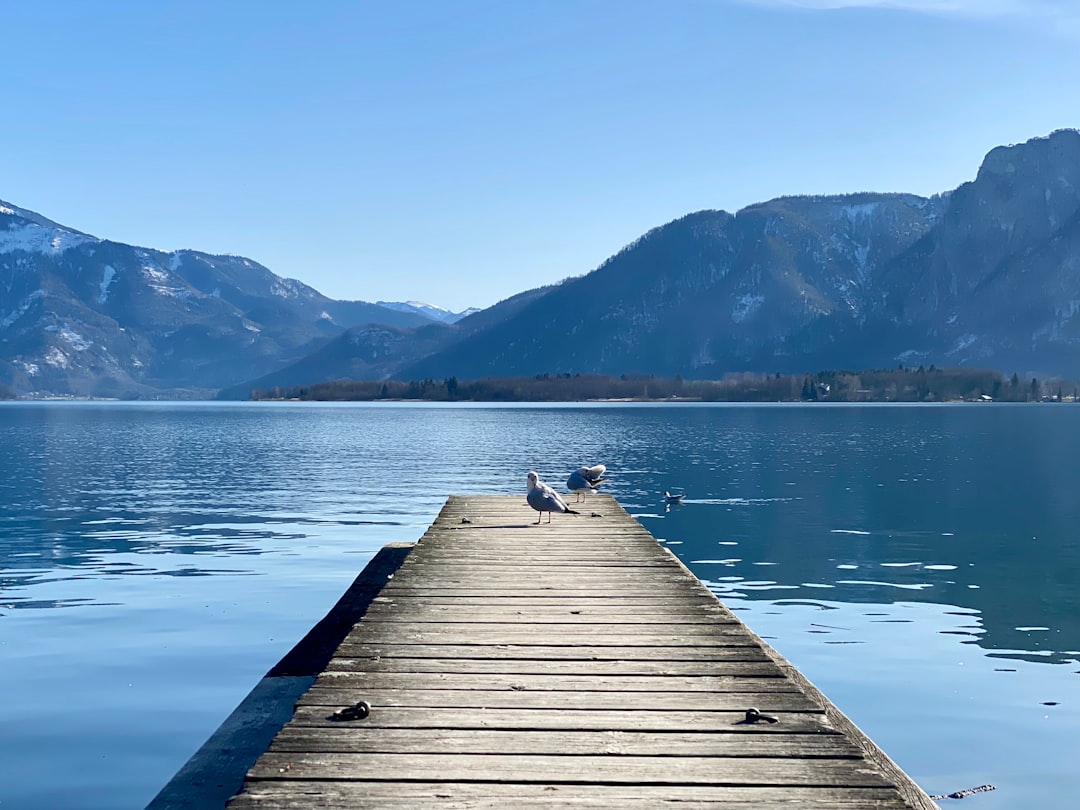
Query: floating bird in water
[
  {"x": 585, "y": 479},
  {"x": 543, "y": 498},
  {"x": 673, "y": 499}
]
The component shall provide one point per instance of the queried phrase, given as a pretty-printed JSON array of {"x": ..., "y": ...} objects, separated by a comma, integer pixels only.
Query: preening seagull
[
  {"x": 585, "y": 479},
  {"x": 595, "y": 473},
  {"x": 543, "y": 498}
]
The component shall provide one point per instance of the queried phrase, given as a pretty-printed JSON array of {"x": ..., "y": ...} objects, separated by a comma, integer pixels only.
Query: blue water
[{"x": 921, "y": 564}]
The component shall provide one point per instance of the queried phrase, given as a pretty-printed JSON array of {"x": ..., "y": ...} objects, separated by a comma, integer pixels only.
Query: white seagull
[
  {"x": 584, "y": 480},
  {"x": 543, "y": 498}
]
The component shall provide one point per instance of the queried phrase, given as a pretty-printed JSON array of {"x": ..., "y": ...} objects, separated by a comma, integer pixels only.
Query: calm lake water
[{"x": 920, "y": 564}]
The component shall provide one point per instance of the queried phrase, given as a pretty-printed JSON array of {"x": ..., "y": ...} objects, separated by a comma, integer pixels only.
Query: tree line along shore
[{"x": 875, "y": 385}]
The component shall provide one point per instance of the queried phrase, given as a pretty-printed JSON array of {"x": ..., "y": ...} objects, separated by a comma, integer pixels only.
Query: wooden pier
[{"x": 576, "y": 664}]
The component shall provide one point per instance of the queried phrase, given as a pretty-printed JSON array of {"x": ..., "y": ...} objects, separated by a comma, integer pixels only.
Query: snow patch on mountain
[
  {"x": 31, "y": 238},
  {"x": 72, "y": 338},
  {"x": 57, "y": 359},
  {"x": 745, "y": 305},
  {"x": 284, "y": 287},
  {"x": 163, "y": 283},
  {"x": 962, "y": 342},
  {"x": 22, "y": 310},
  {"x": 106, "y": 280},
  {"x": 862, "y": 254},
  {"x": 857, "y": 211}
]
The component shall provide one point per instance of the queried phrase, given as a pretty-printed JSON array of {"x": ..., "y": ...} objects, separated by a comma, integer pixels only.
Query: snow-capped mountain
[
  {"x": 84, "y": 316},
  {"x": 432, "y": 311}
]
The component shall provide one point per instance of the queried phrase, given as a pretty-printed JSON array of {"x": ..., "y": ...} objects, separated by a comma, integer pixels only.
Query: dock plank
[
  {"x": 521, "y": 679},
  {"x": 675, "y": 672},
  {"x": 571, "y": 664},
  {"x": 488, "y": 796},
  {"x": 301, "y": 739},
  {"x": 548, "y": 652},
  {"x": 580, "y": 768},
  {"x": 771, "y": 696},
  {"x": 659, "y": 722}
]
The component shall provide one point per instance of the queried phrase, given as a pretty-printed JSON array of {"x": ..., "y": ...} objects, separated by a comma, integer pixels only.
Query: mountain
[
  {"x": 83, "y": 316},
  {"x": 435, "y": 313},
  {"x": 986, "y": 275},
  {"x": 997, "y": 281},
  {"x": 771, "y": 288}
]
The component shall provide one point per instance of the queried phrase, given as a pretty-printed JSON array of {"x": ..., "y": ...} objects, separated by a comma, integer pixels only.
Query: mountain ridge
[
  {"x": 432, "y": 311},
  {"x": 85, "y": 316},
  {"x": 987, "y": 274}
]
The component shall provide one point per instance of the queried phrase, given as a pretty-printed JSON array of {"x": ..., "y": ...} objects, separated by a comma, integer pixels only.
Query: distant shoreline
[
  {"x": 633, "y": 401},
  {"x": 874, "y": 385}
]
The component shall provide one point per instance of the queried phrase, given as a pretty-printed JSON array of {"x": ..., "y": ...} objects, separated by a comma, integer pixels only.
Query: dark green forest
[{"x": 875, "y": 385}]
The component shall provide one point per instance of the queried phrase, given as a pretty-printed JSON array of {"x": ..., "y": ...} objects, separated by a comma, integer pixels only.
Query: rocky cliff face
[{"x": 996, "y": 282}]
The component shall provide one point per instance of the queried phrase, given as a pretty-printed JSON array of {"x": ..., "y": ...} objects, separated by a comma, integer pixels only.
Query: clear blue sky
[{"x": 460, "y": 151}]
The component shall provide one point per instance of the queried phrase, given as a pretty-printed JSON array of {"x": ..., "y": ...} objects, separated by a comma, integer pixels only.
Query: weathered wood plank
[
  {"x": 646, "y": 601},
  {"x": 462, "y": 564},
  {"x": 543, "y": 633},
  {"x": 543, "y": 636},
  {"x": 544, "y": 614},
  {"x": 775, "y": 697},
  {"x": 655, "y": 682},
  {"x": 659, "y": 722},
  {"x": 679, "y": 675},
  {"x": 551, "y": 796},
  {"x": 561, "y": 616},
  {"x": 484, "y": 591},
  {"x": 600, "y": 582},
  {"x": 301, "y": 739},
  {"x": 621, "y": 769},
  {"x": 622, "y": 613},
  {"x": 550, "y": 652}
]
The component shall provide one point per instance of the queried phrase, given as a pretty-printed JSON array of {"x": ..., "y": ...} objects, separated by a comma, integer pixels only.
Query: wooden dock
[{"x": 576, "y": 664}]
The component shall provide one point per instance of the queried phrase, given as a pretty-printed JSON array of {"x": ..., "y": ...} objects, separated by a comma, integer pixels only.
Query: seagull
[
  {"x": 543, "y": 498},
  {"x": 595, "y": 473},
  {"x": 584, "y": 479},
  {"x": 678, "y": 498}
]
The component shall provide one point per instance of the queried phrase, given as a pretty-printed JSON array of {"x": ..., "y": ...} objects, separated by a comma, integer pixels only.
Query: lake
[{"x": 920, "y": 564}]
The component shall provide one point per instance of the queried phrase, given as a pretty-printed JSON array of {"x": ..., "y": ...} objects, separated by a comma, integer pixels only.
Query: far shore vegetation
[{"x": 897, "y": 385}]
